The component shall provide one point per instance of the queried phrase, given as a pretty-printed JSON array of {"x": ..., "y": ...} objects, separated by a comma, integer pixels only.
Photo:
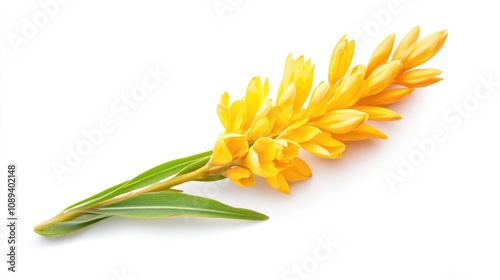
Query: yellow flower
[
  {"x": 418, "y": 78},
  {"x": 348, "y": 91},
  {"x": 243, "y": 115},
  {"x": 229, "y": 147},
  {"x": 269, "y": 156},
  {"x": 406, "y": 45},
  {"x": 425, "y": 49},
  {"x": 361, "y": 132},
  {"x": 376, "y": 113},
  {"x": 240, "y": 176},
  {"x": 381, "y": 54},
  {"x": 293, "y": 92},
  {"x": 324, "y": 145},
  {"x": 262, "y": 139},
  {"x": 297, "y": 171},
  {"x": 255, "y": 96},
  {"x": 341, "y": 60},
  {"x": 341, "y": 121},
  {"x": 382, "y": 77},
  {"x": 386, "y": 97},
  {"x": 300, "y": 73}
]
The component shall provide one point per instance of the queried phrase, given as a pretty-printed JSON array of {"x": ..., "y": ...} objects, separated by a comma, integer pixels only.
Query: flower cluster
[{"x": 263, "y": 139}]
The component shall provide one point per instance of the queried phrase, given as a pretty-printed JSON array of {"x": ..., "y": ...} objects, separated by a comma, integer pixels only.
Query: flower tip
[{"x": 442, "y": 35}]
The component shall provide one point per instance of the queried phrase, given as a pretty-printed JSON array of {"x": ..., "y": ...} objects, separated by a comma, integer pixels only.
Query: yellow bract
[{"x": 262, "y": 139}]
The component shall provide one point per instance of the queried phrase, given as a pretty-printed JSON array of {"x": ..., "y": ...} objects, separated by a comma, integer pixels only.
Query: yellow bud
[{"x": 382, "y": 77}]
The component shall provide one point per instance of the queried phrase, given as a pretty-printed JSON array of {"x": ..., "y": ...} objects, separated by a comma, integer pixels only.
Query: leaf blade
[
  {"x": 64, "y": 228},
  {"x": 146, "y": 178},
  {"x": 166, "y": 204}
]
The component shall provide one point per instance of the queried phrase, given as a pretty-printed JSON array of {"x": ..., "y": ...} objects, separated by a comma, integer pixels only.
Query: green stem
[{"x": 160, "y": 186}]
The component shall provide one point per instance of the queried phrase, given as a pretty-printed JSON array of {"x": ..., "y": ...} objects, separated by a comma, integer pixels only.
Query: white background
[{"x": 442, "y": 222}]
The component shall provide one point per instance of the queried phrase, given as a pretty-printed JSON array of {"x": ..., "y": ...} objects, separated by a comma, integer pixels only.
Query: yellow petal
[
  {"x": 298, "y": 171},
  {"x": 341, "y": 121},
  {"x": 259, "y": 129},
  {"x": 236, "y": 111},
  {"x": 348, "y": 92},
  {"x": 378, "y": 113},
  {"x": 340, "y": 60},
  {"x": 289, "y": 150},
  {"x": 300, "y": 134},
  {"x": 223, "y": 111},
  {"x": 381, "y": 54},
  {"x": 420, "y": 77},
  {"x": 324, "y": 145},
  {"x": 407, "y": 45},
  {"x": 382, "y": 77},
  {"x": 255, "y": 95},
  {"x": 326, "y": 139},
  {"x": 228, "y": 147},
  {"x": 303, "y": 85},
  {"x": 283, "y": 111},
  {"x": 362, "y": 132},
  {"x": 225, "y": 100},
  {"x": 319, "y": 151},
  {"x": 300, "y": 73},
  {"x": 426, "y": 49},
  {"x": 245, "y": 182},
  {"x": 387, "y": 96},
  {"x": 287, "y": 76},
  {"x": 251, "y": 161},
  {"x": 240, "y": 176},
  {"x": 319, "y": 101},
  {"x": 236, "y": 144},
  {"x": 237, "y": 172},
  {"x": 260, "y": 126},
  {"x": 427, "y": 82},
  {"x": 268, "y": 169},
  {"x": 265, "y": 148},
  {"x": 221, "y": 154},
  {"x": 287, "y": 99},
  {"x": 279, "y": 183}
]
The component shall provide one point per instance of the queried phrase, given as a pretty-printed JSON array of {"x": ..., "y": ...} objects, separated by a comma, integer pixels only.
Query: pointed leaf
[
  {"x": 165, "y": 204},
  {"x": 63, "y": 228},
  {"x": 199, "y": 164},
  {"x": 151, "y": 176}
]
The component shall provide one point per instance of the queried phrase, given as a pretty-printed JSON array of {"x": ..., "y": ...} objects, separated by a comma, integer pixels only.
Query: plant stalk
[{"x": 159, "y": 186}]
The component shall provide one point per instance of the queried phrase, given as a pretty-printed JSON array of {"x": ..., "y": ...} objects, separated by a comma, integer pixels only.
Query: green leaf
[
  {"x": 198, "y": 164},
  {"x": 166, "y": 204},
  {"x": 149, "y": 177},
  {"x": 63, "y": 228},
  {"x": 212, "y": 178}
]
